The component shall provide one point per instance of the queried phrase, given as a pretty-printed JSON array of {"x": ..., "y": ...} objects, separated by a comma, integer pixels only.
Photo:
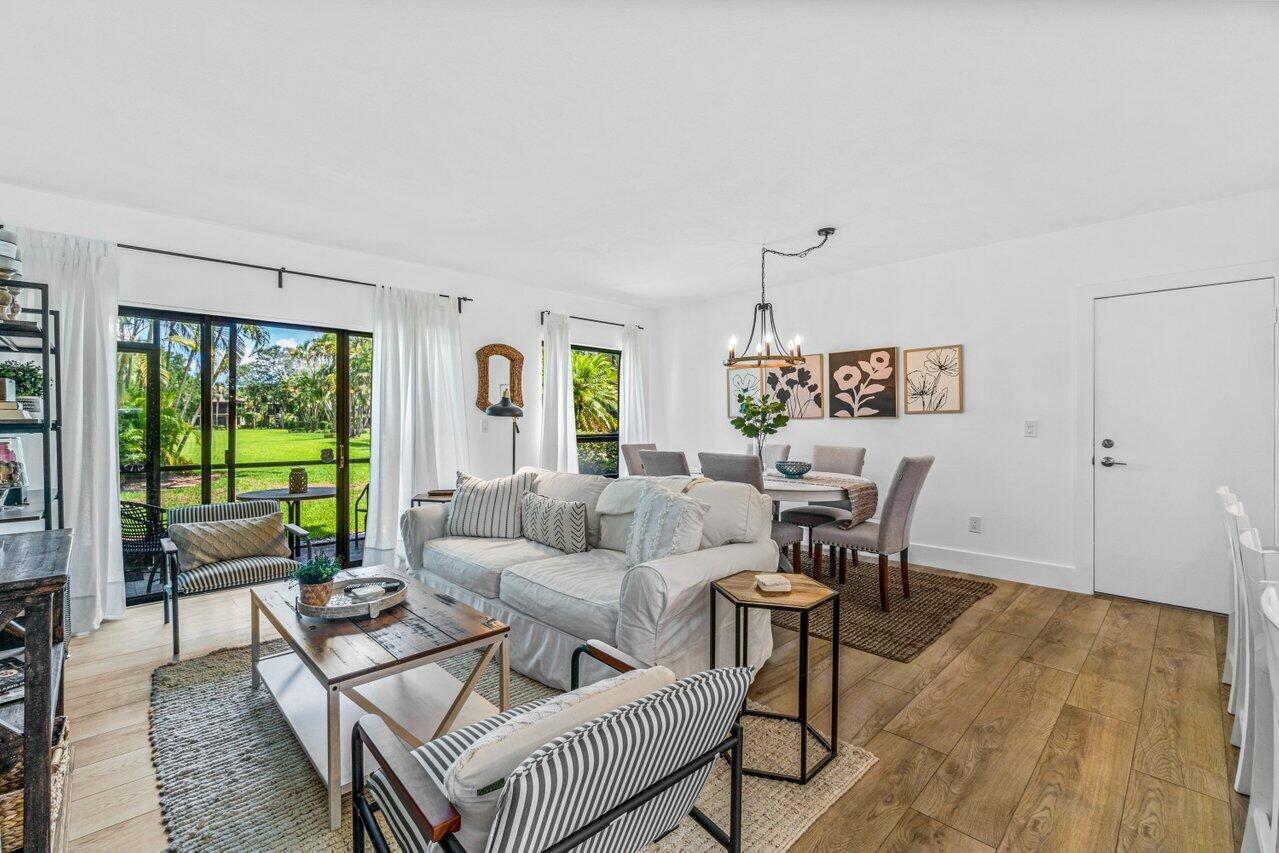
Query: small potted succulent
[{"x": 315, "y": 580}]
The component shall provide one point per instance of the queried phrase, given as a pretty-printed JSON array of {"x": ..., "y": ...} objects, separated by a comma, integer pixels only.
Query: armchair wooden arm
[
  {"x": 413, "y": 786},
  {"x": 605, "y": 654},
  {"x": 302, "y": 535}
]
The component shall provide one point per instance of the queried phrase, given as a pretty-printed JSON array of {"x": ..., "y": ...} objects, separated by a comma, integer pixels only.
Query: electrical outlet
[
  {"x": 1031, "y": 430},
  {"x": 974, "y": 524}
]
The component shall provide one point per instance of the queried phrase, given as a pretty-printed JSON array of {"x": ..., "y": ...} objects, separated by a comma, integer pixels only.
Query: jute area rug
[
  {"x": 904, "y": 631},
  {"x": 233, "y": 778}
]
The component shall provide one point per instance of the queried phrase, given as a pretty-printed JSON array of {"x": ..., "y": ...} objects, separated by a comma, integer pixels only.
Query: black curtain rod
[
  {"x": 279, "y": 271},
  {"x": 542, "y": 320}
]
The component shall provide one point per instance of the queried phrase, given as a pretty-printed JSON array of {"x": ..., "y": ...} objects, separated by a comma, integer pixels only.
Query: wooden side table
[
  {"x": 441, "y": 496},
  {"x": 805, "y": 596}
]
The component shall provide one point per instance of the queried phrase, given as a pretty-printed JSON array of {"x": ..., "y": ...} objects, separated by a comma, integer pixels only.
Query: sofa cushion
[
  {"x": 488, "y": 507},
  {"x": 560, "y": 524},
  {"x": 577, "y": 593},
  {"x": 616, "y": 506},
  {"x": 735, "y": 512},
  {"x": 563, "y": 486},
  {"x": 665, "y": 525},
  {"x": 477, "y": 564},
  {"x": 238, "y": 572}
]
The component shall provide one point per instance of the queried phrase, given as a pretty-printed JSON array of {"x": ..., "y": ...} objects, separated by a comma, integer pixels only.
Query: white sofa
[{"x": 658, "y": 611}]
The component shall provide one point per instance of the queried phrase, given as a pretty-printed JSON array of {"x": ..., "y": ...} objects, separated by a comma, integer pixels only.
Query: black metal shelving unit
[{"x": 41, "y": 335}]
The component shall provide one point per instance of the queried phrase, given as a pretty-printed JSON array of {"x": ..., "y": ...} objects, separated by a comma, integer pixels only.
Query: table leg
[
  {"x": 464, "y": 693},
  {"x": 504, "y": 689},
  {"x": 834, "y": 678},
  {"x": 335, "y": 758},
  {"x": 803, "y": 695},
  {"x": 714, "y": 632},
  {"x": 255, "y": 640}
]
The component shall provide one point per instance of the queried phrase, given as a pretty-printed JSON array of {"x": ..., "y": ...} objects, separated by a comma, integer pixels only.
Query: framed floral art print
[
  {"x": 743, "y": 380},
  {"x": 863, "y": 383},
  {"x": 800, "y": 387},
  {"x": 934, "y": 378}
]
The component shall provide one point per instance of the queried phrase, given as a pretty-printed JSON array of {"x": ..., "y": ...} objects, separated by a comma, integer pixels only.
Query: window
[
  {"x": 214, "y": 408},
  {"x": 595, "y": 399}
]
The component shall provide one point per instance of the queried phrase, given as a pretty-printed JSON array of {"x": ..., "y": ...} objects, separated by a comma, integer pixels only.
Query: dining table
[{"x": 862, "y": 494}]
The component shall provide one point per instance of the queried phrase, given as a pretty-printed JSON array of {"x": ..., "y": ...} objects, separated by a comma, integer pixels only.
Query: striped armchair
[
  {"x": 616, "y": 783},
  {"x": 224, "y": 574}
]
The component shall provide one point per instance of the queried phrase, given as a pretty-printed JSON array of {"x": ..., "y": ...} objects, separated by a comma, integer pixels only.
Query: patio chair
[
  {"x": 616, "y": 782},
  {"x": 141, "y": 529},
  {"x": 240, "y": 570},
  {"x": 362, "y": 498}
]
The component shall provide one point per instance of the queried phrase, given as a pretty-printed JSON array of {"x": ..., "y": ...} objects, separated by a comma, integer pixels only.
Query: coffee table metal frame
[
  {"x": 494, "y": 645},
  {"x": 741, "y": 634}
]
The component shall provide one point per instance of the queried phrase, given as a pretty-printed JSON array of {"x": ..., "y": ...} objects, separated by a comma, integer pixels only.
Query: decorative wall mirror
[{"x": 516, "y": 361}]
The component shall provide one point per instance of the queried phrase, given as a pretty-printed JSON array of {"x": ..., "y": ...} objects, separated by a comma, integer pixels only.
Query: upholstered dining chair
[
  {"x": 631, "y": 455},
  {"x": 663, "y": 463},
  {"x": 1254, "y": 727},
  {"x": 1261, "y": 830},
  {"x": 740, "y": 468},
  {"x": 1226, "y": 499},
  {"x": 833, "y": 459},
  {"x": 616, "y": 781},
  {"x": 889, "y": 535},
  {"x": 773, "y": 453}
]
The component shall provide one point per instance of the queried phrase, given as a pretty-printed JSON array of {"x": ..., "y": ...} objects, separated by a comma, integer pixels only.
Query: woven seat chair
[
  {"x": 617, "y": 782},
  {"x": 226, "y": 574},
  {"x": 141, "y": 530}
]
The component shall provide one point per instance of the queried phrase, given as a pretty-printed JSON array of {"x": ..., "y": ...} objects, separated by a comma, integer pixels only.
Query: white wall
[
  {"x": 1012, "y": 306},
  {"x": 503, "y": 311}
]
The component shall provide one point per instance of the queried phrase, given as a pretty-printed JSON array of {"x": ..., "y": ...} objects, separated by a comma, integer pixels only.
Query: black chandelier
[{"x": 768, "y": 351}]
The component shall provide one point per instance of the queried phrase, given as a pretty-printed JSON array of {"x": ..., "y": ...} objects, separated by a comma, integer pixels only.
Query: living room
[{"x": 405, "y": 401}]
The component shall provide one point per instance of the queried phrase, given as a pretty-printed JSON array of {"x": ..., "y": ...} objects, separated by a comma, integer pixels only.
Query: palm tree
[{"x": 595, "y": 391}]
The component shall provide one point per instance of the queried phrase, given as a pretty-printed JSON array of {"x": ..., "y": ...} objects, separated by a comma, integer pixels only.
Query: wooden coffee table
[{"x": 336, "y": 671}]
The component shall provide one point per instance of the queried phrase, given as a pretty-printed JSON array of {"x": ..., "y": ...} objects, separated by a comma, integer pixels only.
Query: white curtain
[
  {"x": 419, "y": 430},
  {"x": 633, "y": 405},
  {"x": 559, "y": 427},
  {"x": 84, "y": 284}
]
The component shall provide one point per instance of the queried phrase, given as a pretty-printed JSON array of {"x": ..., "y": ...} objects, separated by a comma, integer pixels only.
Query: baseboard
[{"x": 1056, "y": 575}]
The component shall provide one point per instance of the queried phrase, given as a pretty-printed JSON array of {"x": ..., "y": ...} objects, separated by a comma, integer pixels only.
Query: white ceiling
[{"x": 642, "y": 149}]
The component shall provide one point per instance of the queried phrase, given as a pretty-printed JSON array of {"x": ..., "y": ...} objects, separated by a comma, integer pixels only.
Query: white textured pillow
[
  {"x": 665, "y": 524},
  {"x": 736, "y": 512},
  {"x": 474, "y": 782},
  {"x": 488, "y": 508}
]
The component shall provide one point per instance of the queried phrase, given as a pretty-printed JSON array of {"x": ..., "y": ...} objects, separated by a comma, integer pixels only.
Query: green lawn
[{"x": 265, "y": 445}]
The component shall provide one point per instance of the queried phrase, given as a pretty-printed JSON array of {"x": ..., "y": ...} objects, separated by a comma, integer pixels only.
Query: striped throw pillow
[
  {"x": 560, "y": 524},
  {"x": 489, "y": 508}
]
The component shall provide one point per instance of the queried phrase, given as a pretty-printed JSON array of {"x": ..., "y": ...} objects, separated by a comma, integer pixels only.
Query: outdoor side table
[{"x": 805, "y": 596}]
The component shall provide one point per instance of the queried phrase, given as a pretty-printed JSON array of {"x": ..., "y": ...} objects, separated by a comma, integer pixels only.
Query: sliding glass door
[{"x": 221, "y": 409}]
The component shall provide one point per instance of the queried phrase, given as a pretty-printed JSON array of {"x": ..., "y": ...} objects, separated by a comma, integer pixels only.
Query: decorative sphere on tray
[{"x": 794, "y": 470}]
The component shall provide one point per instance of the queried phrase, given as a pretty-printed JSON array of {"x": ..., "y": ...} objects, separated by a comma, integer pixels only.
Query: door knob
[{"x": 1110, "y": 461}]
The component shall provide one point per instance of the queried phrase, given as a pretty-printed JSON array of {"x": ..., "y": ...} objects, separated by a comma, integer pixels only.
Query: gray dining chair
[
  {"x": 833, "y": 459},
  {"x": 773, "y": 453},
  {"x": 889, "y": 535},
  {"x": 744, "y": 468},
  {"x": 663, "y": 463},
  {"x": 631, "y": 454}
]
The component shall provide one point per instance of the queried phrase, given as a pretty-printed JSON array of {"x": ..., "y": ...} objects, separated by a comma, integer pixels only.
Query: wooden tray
[{"x": 341, "y": 606}]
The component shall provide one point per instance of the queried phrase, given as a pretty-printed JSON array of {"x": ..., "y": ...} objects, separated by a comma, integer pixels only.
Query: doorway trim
[{"x": 1084, "y": 335}]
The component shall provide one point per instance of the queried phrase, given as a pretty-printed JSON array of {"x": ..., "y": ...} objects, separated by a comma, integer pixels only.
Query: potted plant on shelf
[
  {"x": 28, "y": 382},
  {"x": 315, "y": 580},
  {"x": 758, "y": 418}
]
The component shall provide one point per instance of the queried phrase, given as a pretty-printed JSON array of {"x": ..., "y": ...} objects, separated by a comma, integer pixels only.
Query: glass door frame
[{"x": 206, "y": 324}]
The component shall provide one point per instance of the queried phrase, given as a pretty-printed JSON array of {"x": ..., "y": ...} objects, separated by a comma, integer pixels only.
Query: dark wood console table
[{"x": 33, "y": 580}]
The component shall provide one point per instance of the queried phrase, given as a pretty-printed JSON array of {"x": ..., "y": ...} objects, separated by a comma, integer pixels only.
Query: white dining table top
[{"x": 798, "y": 490}]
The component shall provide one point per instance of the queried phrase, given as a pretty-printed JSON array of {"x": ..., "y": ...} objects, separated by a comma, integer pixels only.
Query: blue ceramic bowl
[{"x": 794, "y": 470}]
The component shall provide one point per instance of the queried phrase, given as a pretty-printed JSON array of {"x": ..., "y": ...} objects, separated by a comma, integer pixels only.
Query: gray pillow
[
  {"x": 202, "y": 542},
  {"x": 489, "y": 508},
  {"x": 560, "y": 524}
]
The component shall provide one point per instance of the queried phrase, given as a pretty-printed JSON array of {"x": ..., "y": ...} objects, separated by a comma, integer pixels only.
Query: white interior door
[{"x": 1184, "y": 384}]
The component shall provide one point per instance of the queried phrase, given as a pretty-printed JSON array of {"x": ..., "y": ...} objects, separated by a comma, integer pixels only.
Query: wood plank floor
[{"x": 1041, "y": 720}]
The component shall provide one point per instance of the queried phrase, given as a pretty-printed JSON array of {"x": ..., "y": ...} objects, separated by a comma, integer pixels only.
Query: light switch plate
[{"x": 1031, "y": 429}]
